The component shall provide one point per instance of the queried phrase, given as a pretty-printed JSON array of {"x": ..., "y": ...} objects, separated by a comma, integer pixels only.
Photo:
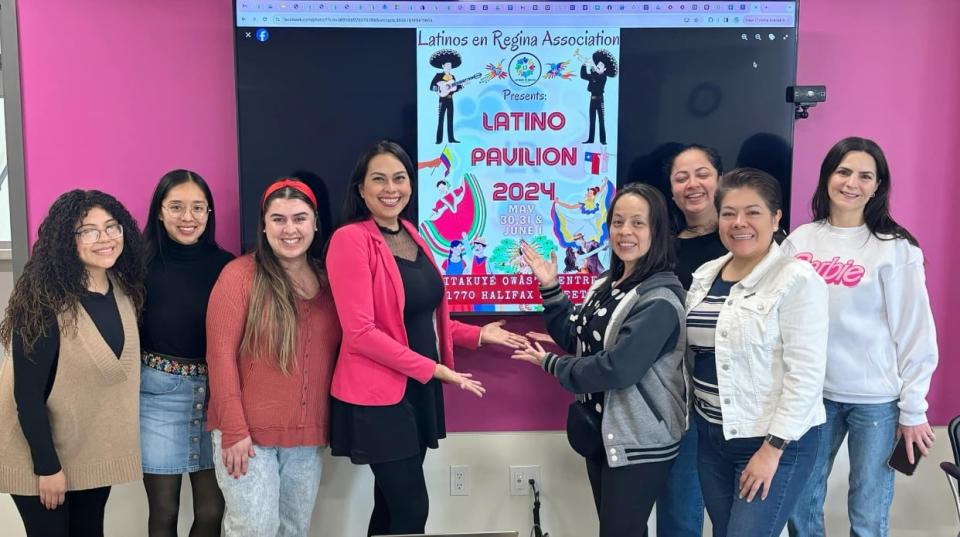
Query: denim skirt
[{"x": 173, "y": 422}]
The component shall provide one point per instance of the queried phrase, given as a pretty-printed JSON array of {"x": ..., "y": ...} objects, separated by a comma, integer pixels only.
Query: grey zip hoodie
[{"x": 641, "y": 370}]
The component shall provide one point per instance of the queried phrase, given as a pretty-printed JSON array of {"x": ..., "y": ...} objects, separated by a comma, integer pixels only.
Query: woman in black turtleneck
[
  {"x": 693, "y": 173},
  {"x": 183, "y": 263}
]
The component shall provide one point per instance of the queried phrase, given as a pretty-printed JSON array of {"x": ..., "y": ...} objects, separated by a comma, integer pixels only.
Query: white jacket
[{"x": 771, "y": 346}]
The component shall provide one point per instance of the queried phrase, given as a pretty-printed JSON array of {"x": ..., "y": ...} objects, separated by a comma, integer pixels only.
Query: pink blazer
[{"x": 375, "y": 357}]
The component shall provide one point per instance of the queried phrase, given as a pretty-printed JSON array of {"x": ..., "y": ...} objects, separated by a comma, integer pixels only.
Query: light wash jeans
[
  {"x": 277, "y": 495},
  {"x": 872, "y": 430},
  {"x": 680, "y": 505}
]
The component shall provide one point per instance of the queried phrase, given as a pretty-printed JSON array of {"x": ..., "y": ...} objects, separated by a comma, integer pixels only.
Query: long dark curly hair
[{"x": 54, "y": 279}]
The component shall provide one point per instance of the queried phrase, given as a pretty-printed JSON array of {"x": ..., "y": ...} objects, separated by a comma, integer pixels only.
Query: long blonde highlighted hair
[{"x": 270, "y": 331}]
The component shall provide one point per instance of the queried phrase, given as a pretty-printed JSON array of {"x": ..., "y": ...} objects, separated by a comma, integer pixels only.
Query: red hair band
[{"x": 295, "y": 184}]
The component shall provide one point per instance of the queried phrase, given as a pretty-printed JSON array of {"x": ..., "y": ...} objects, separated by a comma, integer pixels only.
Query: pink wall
[{"x": 115, "y": 96}]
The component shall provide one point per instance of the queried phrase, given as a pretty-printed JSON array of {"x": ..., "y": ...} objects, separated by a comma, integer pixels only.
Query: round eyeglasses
[
  {"x": 198, "y": 210},
  {"x": 91, "y": 235}
]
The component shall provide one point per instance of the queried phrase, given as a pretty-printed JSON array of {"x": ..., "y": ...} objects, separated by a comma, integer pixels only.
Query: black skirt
[{"x": 374, "y": 434}]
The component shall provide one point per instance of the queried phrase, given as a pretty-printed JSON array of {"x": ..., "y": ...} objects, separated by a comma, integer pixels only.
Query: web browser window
[{"x": 523, "y": 118}]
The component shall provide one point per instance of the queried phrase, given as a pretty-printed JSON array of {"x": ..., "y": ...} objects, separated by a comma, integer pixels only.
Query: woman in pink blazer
[{"x": 398, "y": 340}]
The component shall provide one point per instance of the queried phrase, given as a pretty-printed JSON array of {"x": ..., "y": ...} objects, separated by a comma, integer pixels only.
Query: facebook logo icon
[{"x": 262, "y": 35}]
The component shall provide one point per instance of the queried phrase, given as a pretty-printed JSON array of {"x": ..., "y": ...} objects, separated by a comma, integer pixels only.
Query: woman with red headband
[
  {"x": 272, "y": 338},
  {"x": 387, "y": 407}
]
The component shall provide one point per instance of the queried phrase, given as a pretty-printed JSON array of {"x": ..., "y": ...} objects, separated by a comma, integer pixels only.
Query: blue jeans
[
  {"x": 680, "y": 505},
  {"x": 721, "y": 462},
  {"x": 872, "y": 430},
  {"x": 276, "y": 496}
]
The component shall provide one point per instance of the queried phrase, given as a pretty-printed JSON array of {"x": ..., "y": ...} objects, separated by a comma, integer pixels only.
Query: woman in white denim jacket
[{"x": 757, "y": 330}]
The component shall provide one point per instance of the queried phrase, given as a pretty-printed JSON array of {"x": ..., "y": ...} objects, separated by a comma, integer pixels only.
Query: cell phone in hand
[{"x": 898, "y": 459}]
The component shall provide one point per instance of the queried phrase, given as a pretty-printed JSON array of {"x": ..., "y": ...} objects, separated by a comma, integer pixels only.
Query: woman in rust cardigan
[
  {"x": 272, "y": 335},
  {"x": 398, "y": 340}
]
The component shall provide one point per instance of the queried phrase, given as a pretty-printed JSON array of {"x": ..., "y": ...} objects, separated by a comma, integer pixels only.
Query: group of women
[
  {"x": 714, "y": 367},
  {"x": 789, "y": 349}
]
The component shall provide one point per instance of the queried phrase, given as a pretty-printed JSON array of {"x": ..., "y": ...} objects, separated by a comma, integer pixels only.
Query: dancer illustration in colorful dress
[{"x": 587, "y": 217}]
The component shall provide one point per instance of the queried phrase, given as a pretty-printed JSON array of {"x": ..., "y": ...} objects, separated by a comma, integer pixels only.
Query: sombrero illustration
[
  {"x": 440, "y": 57},
  {"x": 604, "y": 56}
]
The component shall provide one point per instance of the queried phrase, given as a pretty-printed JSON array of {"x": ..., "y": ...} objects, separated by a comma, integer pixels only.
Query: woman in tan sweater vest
[{"x": 69, "y": 392}]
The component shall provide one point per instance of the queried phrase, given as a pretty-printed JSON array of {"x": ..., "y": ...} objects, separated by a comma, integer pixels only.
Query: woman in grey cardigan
[{"x": 624, "y": 354}]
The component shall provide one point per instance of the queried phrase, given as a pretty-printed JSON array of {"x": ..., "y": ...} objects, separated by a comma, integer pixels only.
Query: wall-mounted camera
[{"x": 804, "y": 97}]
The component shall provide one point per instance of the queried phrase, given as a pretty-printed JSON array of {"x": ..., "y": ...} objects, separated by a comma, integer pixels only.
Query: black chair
[
  {"x": 954, "y": 431},
  {"x": 952, "y": 469}
]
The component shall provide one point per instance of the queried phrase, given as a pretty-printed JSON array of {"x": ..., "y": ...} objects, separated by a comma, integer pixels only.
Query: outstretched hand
[
  {"x": 448, "y": 376},
  {"x": 495, "y": 333},
  {"x": 531, "y": 353},
  {"x": 542, "y": 337},
  {"x": 545, "y": 271}
]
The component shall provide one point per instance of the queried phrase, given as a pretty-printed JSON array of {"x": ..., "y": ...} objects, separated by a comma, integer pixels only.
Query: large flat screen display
[{"x": 522, "y": 117}]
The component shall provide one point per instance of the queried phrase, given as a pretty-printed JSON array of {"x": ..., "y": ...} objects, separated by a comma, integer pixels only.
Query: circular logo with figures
[{"x": 525, "y": 69}]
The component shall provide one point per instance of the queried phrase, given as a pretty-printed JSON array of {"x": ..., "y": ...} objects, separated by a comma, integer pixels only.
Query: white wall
[{"x": 922, "y": 505}]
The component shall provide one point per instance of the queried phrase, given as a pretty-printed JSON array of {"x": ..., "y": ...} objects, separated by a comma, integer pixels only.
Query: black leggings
[
  {"x": 80, "y": 515},
  {"x": 400, "y": 502},
  {"x": 163, "y": 497},
  {"x": 625, "y": 495}
]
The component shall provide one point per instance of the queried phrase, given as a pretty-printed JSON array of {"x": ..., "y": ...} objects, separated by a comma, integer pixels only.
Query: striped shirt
[{"x": 701, "y": 334}]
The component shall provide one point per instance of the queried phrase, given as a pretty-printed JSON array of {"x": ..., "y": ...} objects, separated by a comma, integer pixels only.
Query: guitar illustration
[{"x": 446, "y": 88}]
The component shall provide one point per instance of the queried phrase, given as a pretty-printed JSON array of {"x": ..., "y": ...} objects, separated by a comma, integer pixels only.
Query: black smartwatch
[{"x": 777, "y": 442}]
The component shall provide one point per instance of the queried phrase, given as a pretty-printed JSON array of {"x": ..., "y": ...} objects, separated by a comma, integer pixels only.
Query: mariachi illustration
[
  {"x": 596, "y": 70},
  {"x": 445, "y": 85}
]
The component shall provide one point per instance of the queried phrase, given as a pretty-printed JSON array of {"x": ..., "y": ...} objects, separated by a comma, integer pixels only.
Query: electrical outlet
[
  {"x": 460, "y": 480},
  {"x": 520, "y": 477}
]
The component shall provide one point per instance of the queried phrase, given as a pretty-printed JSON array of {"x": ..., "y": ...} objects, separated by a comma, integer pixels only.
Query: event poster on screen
[{"x": 517, "y": 138}]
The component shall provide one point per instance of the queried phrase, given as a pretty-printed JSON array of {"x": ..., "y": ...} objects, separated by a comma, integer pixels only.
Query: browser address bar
[{"x": 346, "y": 20}]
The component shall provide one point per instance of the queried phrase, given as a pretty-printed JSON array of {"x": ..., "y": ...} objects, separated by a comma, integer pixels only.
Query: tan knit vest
[{"x": 93, "y": 409}]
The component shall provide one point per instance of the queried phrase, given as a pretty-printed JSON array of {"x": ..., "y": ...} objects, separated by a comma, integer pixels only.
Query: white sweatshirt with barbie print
[{"x": 882, "y": 344}]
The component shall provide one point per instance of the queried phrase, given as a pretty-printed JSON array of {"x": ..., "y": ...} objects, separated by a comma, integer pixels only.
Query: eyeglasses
[
  {"x": 198, "y": 210},
  {"x": 91, "y": 235}
]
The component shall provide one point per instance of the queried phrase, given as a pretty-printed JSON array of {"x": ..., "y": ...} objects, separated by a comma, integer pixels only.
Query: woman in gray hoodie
[{"x": 624, "y": 357}]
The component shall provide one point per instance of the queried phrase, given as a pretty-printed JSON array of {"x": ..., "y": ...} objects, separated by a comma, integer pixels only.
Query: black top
[
  {"x": 36, "y": 372},
  {"x": 695, "y": 251},
  {"x": 376, "y": 434},
  {"x": 179, "y": 281},
  {"x": 423, "y": 291},
  {"x": 595, "y": 81},
  {"x": 592, "y": 329}
]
